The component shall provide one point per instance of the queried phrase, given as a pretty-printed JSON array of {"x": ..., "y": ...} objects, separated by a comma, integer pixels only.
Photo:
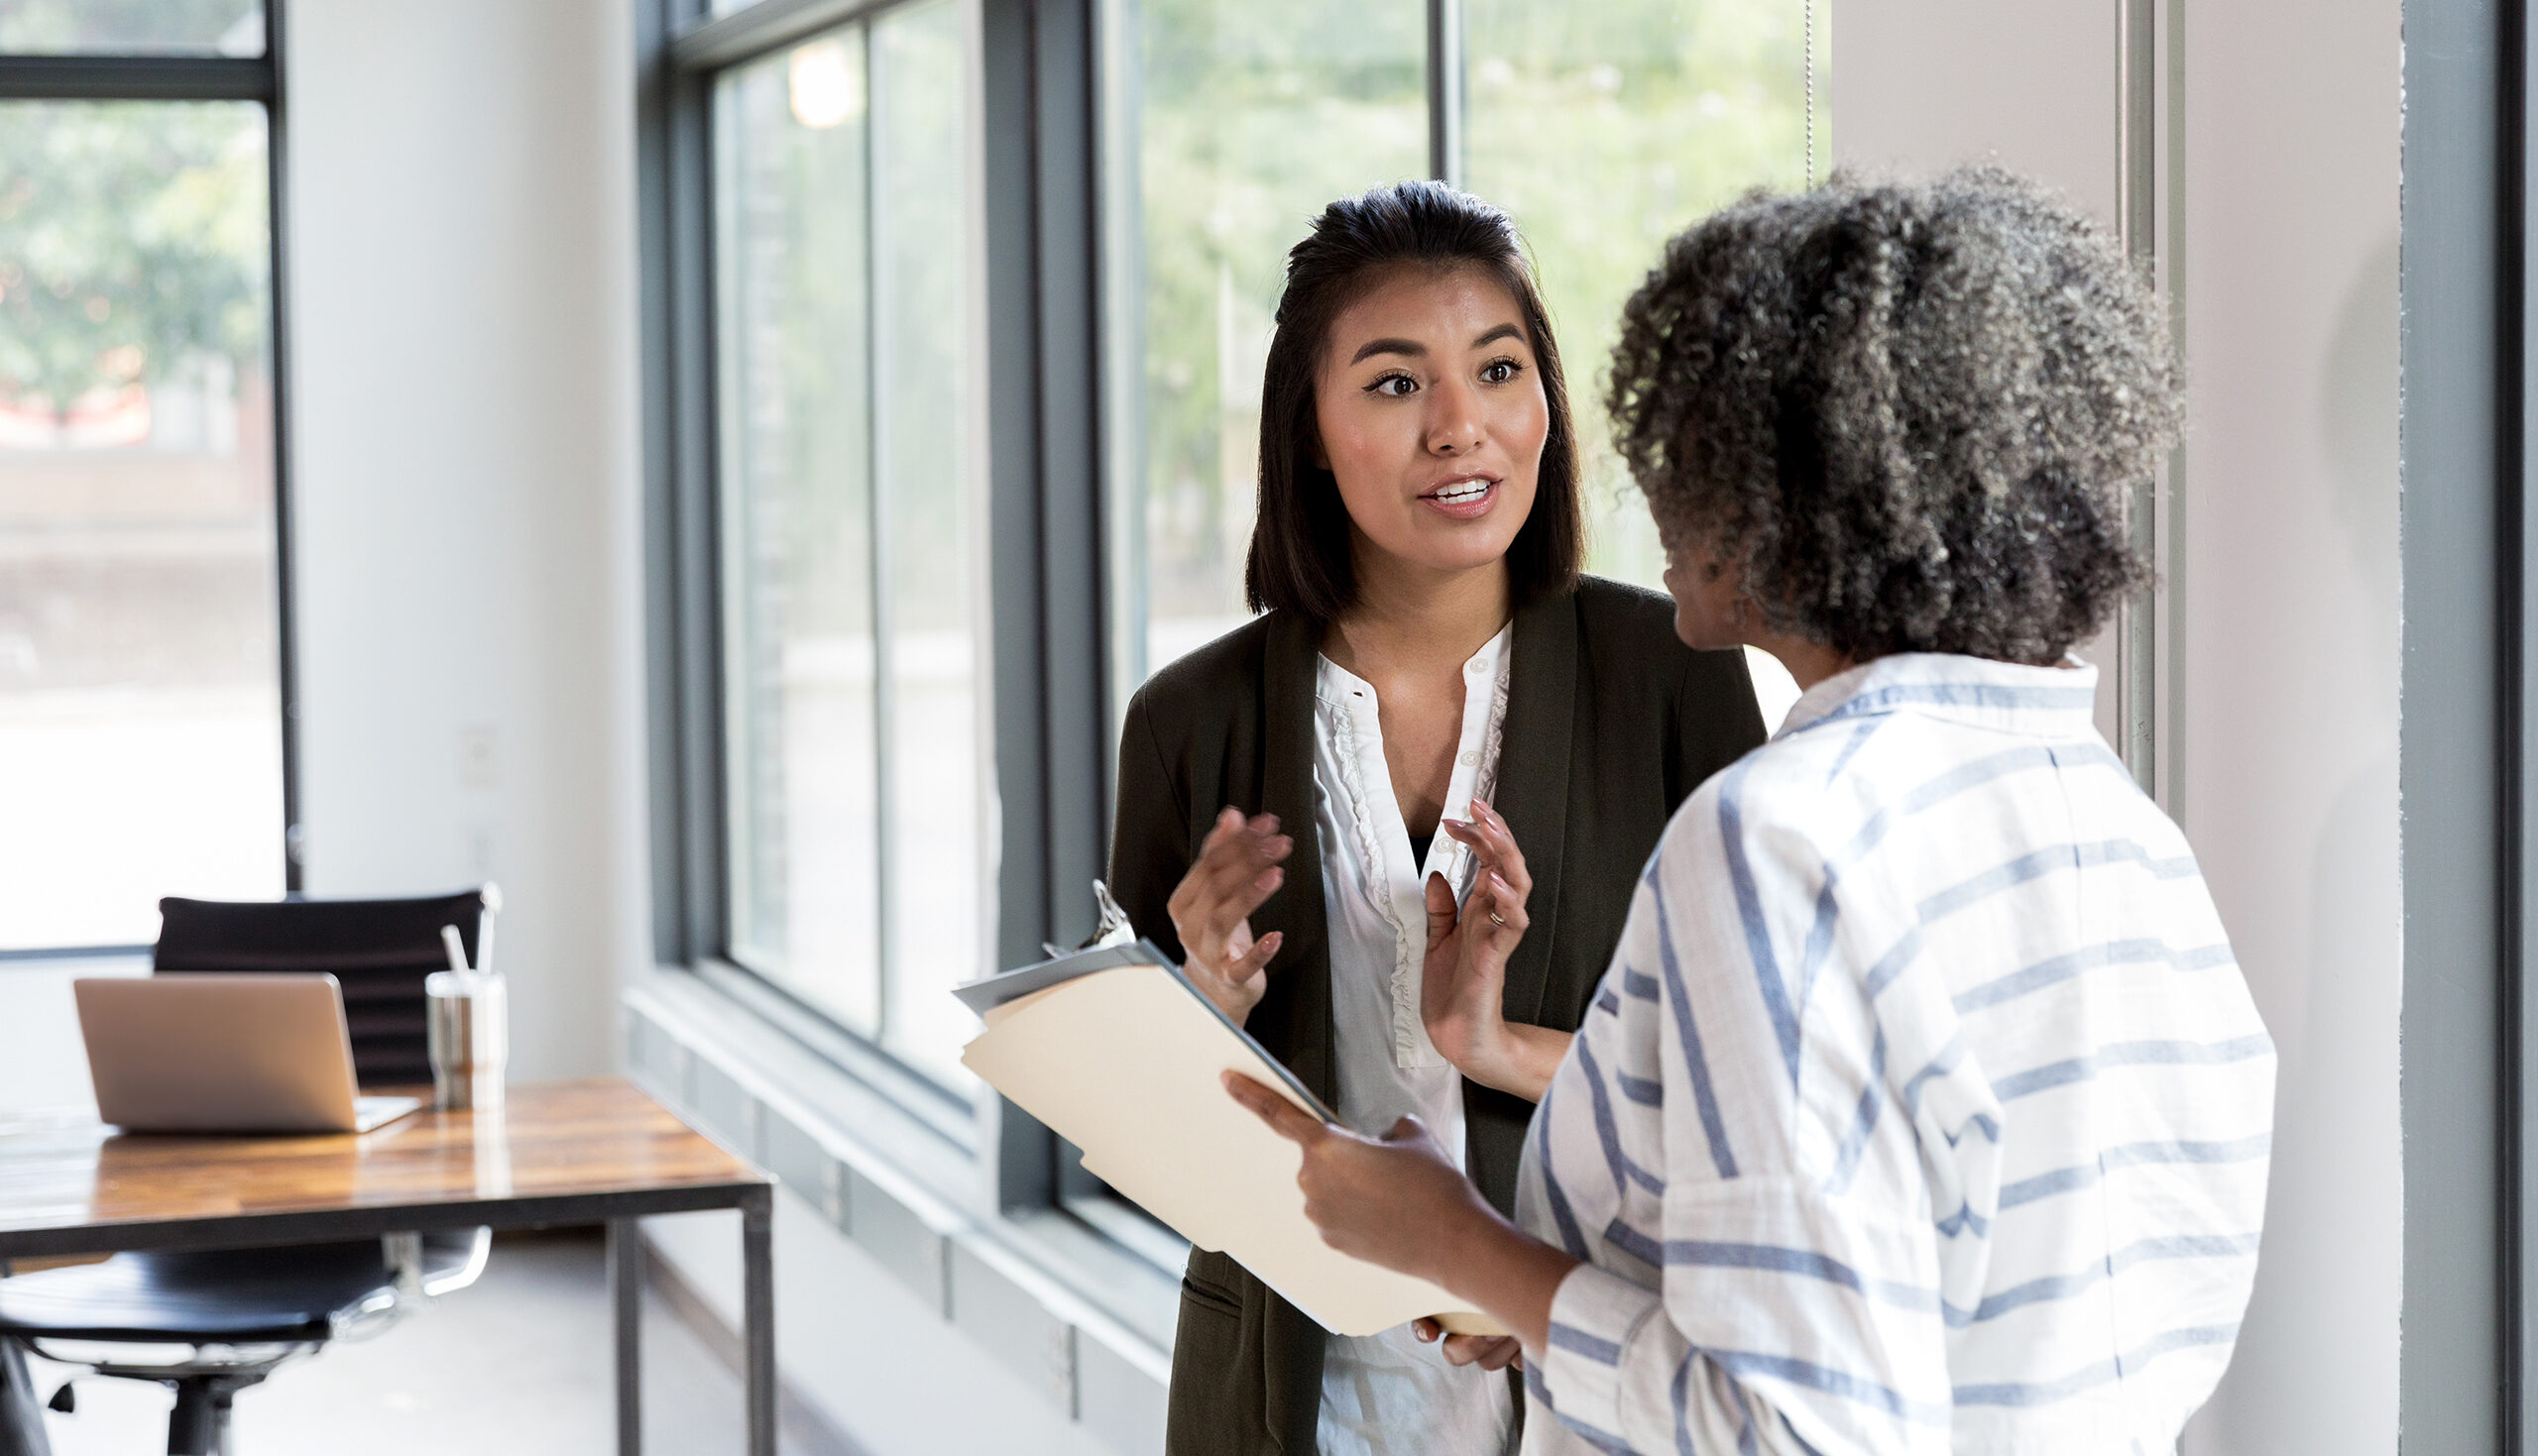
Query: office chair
[{"x": 241, "y": 1314}]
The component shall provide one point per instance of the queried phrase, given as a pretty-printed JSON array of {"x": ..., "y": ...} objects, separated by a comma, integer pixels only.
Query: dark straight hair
[{"x": 1299, "y": 558}]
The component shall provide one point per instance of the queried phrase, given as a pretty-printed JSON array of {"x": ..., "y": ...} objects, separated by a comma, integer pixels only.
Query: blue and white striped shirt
[{"x": 1923, "y": 1108}]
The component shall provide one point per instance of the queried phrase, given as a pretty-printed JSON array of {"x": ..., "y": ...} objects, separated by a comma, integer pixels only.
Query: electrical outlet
[{"x": 478, "y": 758}]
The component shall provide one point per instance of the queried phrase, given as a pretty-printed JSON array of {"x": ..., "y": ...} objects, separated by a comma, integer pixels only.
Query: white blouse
[{"x": 1387, "y": 1394}]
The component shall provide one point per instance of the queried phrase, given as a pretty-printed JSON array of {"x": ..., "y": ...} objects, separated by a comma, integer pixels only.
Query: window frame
[
  {"x": 110, "y": 76},
  {"x": 1036, "y": 422},
  {"x": 1050, "y": 424}
]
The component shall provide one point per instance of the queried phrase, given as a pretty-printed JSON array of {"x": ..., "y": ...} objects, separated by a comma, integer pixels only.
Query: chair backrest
[{"x": 379, "y": 949}]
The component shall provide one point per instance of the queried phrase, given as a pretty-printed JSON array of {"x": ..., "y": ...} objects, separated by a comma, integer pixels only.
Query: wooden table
[{"x": 560, "y": 1154}]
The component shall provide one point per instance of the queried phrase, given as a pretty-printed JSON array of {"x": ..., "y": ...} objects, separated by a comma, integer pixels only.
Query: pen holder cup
[{"x": 468, "y": 1026}]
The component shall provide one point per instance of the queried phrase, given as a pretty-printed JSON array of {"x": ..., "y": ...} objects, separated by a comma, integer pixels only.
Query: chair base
[
  {"x": 200, "y": 1425},
  {"x": 22, "y": 1430}
]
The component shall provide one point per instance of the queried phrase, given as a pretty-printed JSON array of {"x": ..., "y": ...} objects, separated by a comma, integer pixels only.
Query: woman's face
[
  {"x": 1433, "y": 417},
  {"x": 1710, "y": 595}
]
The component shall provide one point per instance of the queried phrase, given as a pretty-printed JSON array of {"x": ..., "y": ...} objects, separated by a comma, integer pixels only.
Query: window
[
  {"x": 888, "y": 653},
  {"x": 142, "y": 723},
  {"x": 132, "y": 27},
  {"x": 1602, "y": 129},
  {"x": 1232, "y": 124},
  {"x": 856, "y": 765}
]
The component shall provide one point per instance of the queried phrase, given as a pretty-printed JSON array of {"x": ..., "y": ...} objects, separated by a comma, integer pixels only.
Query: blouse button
[{"x": 1471, "y": 758}]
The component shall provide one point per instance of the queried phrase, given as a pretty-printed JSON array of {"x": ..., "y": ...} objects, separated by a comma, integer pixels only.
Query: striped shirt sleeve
[{"x": 1791, "y": 1302}]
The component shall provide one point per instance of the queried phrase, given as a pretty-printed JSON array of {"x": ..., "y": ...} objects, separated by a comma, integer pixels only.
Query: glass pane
[
  {"x": 1604, "y": 129},
  {"x": 799, "y": 658},
  {"x": 133, "y": 27},
  {"x": 940, "y": 871},
  {"x": 140, "y": 705},
  {"x": 1229, "y": 125}
]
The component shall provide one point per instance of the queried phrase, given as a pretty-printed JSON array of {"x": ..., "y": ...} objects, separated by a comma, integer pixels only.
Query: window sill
[{"x": 1035, "y": 1287}]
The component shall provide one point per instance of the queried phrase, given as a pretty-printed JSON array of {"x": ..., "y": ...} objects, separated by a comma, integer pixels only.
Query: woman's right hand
[{"x": 1237, "y": 874}]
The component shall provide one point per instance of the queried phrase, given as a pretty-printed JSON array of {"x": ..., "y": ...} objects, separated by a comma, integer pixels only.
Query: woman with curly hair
[{"x": 1923, "y": 1108}]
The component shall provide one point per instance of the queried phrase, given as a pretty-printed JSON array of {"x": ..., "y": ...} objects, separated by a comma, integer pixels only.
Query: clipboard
[{"x": 1117, "y": 1053}]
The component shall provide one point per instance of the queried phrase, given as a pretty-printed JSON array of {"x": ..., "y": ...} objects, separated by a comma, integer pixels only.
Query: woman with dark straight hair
[{"x": 1429, "y": 659}]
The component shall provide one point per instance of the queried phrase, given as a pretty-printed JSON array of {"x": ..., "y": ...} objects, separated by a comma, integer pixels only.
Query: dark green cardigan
[{"x": 1611, "y": 722}]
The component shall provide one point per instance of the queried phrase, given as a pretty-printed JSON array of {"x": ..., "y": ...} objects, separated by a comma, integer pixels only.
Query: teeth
[{"x": 1467, "y": 491}]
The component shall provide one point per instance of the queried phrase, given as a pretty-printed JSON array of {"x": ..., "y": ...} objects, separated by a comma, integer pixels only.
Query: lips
[{"x": 1466, "y": 499}]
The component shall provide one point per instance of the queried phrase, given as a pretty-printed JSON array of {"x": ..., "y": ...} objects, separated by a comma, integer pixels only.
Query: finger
[
  {"x": 1241, "y": 860},
  {"x": 1406, "y": 1129},
  {"x": 1257, "y": 958},
  {"x": 1503, "y": 854},
  {"x": 1442, "y": 914},
  {"x": 1219, "y": 919},
  {"x": 1285, "y": 1118},
  {"x": 1490, "y": 1352},
  {"x": 1228, "y": 821},
  {"x": 1501, "y": 837},
  {"x": 1509, "y": 904},
  {"x": 1466, "y": 834},
  {"x": 1220, "y": 842},
  {"x": 1239, "y": 856},
  {"x": 1230, "y": 882},
  {"x": 1426, "y": 1330}
]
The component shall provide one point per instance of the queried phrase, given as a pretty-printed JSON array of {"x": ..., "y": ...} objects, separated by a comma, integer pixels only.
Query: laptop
[{"x": 215, "y": 1053}]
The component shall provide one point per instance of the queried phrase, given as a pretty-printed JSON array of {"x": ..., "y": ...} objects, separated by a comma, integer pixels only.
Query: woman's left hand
[
  {"x": 1490, "y": 1352},
  {"x": 1462, "y": 987},
  {"x": 1398, "y": 1202}
]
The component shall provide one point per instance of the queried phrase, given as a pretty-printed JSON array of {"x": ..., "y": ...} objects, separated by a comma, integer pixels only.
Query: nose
[{"x": 1453, "y": 418}]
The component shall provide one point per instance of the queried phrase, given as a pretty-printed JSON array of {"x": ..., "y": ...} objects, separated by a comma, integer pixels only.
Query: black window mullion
[
  {"x": 148, "y": 77},
  {"x": 285, "y": 590},
  {"x": 1022, "y": 1172},
  {"x": 1446, "y": 161}
]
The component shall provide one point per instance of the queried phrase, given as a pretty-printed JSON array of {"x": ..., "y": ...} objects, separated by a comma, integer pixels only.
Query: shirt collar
[
  {"x": 2041, "y": 701},
  {"x": 1332, "y": 682}
]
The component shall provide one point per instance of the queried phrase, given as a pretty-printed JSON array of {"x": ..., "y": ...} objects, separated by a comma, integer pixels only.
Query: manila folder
[{"x": 1124, "y": 1064}]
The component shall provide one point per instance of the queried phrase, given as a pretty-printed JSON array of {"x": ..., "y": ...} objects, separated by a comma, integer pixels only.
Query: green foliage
[
  {"x": 1606, "y": 130},
  {"x": 1602, "y": 128},
  {"x": 37, "y": 26},
  {"x": 1250, "y": 118},
  {"x": 133, "y": 236}
]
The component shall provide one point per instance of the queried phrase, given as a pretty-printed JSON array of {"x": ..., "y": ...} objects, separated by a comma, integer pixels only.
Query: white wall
[
  {"x": 2288, "y": 756},
  {"x": 2283, "y": 746},
  {"x": 466, "y": 485},
  {"x": 467, "y": 516},
  {"x": 469, "y": 552}
]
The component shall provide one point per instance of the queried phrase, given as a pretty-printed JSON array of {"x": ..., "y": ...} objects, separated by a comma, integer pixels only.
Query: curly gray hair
[{"x": 1912, "y": 412}]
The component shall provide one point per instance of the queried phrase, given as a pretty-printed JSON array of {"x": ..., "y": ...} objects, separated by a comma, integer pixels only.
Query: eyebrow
[{"x": 1416, "y": 350}]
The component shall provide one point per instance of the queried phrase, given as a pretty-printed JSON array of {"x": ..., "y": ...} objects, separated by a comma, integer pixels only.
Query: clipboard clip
[{"x": 1111, "y": 926}]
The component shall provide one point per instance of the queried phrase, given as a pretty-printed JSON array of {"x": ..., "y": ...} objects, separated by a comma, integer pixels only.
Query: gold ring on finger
[{"x": 1494, "y": 920}]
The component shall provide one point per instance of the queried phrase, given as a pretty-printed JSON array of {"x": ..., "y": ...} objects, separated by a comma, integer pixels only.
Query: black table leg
[
  {"x": 625, "y": 1307},
  {"x": 757, "y": 1317}
]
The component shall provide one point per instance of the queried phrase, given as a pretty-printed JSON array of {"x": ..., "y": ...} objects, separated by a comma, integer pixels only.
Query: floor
[{"x": 517, "y": 1363}]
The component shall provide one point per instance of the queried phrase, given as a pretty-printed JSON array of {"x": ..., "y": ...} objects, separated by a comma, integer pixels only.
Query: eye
[
  {"x": 1501, "y": 371},
  {"x": 1394, "y": 386}
]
